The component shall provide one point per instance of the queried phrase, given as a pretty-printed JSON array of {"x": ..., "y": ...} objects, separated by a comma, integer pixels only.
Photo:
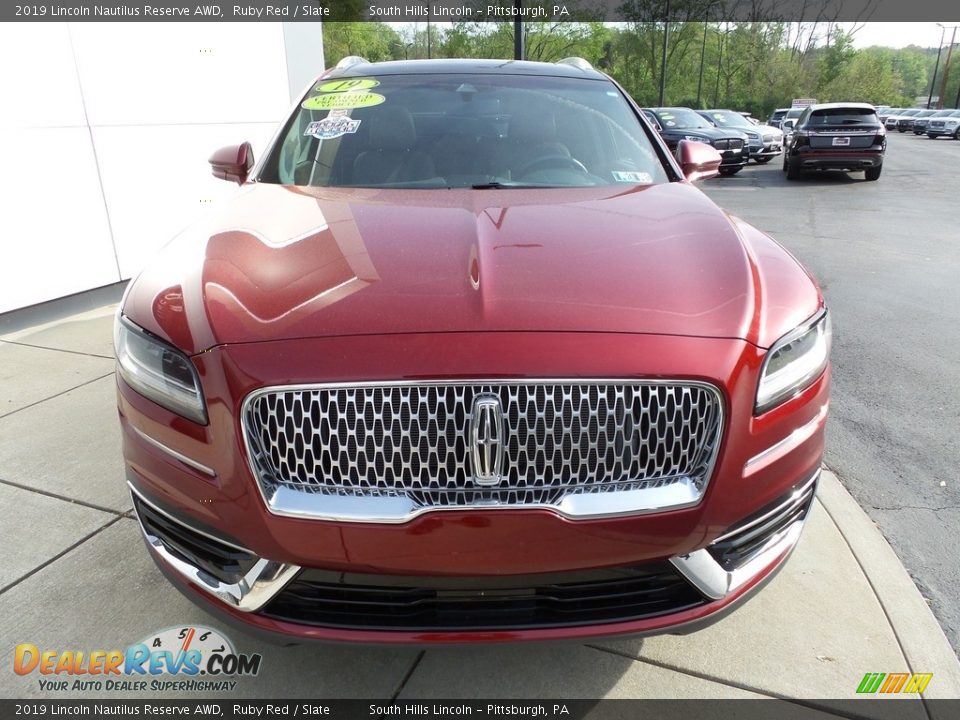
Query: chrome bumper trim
[
  {"x": 190, "y": 462},
  {"x": 400, "y": 509},
  {"x": 264, "y": 580},
  {"x": 709, "y": 577}
]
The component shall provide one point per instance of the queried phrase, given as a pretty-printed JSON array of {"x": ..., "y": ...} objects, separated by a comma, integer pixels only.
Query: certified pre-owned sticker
[
  {"x": 332, "y": 127},
  {"x": 351, "y": 84},
  {"x": 343, "y": 101}
]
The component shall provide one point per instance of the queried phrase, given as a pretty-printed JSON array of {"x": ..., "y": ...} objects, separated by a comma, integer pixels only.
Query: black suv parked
[
  {"x": 679, "y": 123},
  {"x": 836, "y": 136}
]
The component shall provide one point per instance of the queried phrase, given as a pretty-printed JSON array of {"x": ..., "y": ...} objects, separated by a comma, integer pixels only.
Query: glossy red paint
[
  {"x": 289, "y": 285},
  {"x": 474, "y": 542},
  {"x": 280, "y": 263},
  {"x": 698, "y": 160}
]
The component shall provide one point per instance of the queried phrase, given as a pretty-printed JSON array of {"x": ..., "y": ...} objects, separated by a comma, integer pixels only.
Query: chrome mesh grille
[{"x": 413, "y": 440}]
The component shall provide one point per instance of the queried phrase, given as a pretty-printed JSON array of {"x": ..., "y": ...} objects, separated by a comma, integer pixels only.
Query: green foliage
[{"x": 750, "y": 66}]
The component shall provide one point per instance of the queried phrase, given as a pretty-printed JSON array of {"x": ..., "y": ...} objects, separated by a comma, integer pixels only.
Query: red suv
[{"x": 469, "y": 358}]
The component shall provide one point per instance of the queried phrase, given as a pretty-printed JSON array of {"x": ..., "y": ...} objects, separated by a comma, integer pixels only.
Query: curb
[{"x": 921, "y": 638}]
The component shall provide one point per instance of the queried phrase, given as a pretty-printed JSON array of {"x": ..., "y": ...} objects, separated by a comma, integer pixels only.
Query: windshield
[
  {"x": 843, "y": 116},
  {"x": 680, "y": 118},
  {"x": 728, "y": 118},
  {"x": 460, "y": 130}
]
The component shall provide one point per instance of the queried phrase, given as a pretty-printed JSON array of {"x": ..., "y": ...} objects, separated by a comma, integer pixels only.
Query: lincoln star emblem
[{"x": 486, "y": 439}]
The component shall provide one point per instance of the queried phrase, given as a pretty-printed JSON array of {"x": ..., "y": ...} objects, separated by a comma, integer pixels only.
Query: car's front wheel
[
  {"x": 786, "y": 162},
  {"x": 730, "y": 171},
  {"x": 873, "y": 173},
  {"x": 793, "y": 171}
]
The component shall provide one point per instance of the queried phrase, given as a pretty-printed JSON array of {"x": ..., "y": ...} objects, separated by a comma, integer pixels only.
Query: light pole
[
  {"x": 703, "y": 52},
  {"x": 936, "y": 66},
  {"x": 518, "y": 49},
  {"x": 663, "y": 60},
  {"x": 946, "y": 64}
]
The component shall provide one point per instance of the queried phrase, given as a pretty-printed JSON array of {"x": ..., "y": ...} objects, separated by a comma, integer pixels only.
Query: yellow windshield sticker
[
  {"x": 343, "y": 101},
  {"x": 335, "y": 86}
]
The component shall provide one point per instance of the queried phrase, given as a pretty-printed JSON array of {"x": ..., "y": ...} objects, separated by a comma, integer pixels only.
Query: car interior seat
[
  {"x": 392, "y": 157},
  {"x": 531, "y": 135}
]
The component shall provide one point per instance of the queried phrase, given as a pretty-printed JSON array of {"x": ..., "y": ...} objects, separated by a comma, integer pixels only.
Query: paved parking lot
[
  {"x": 887, "y": 254},
  {"x": 76, "y": 574}
]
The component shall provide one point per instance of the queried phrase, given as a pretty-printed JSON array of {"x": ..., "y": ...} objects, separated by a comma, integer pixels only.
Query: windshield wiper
[{"x": 499, "y": 185}]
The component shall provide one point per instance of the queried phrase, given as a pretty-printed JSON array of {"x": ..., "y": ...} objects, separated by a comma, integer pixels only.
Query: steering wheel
[{"x": 552, "y": 161}]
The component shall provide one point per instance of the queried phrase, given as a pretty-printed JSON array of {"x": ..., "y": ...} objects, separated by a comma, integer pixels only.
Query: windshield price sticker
[
  {"x": 353, "y": 84},
  {"x": 343, "y": 101}
]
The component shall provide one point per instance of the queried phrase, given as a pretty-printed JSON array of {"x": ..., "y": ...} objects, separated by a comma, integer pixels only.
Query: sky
[{"x": 924, "y": 34}]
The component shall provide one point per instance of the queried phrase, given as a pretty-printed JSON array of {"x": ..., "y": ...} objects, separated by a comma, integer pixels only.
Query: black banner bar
[
  {"x": 761, "y": 709},
  {"x": 481, "y": 10}
]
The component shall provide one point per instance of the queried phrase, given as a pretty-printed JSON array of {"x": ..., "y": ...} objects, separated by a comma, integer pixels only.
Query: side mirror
[
  {"x": 232, "y": 163},
  {"x": 787, "y": 125},
  {"x": 698, "y": 161}
]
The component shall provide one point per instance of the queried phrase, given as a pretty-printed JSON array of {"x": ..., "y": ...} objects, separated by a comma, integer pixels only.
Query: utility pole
[
  {"x": 946, "y": 67},
  {"x": 716, "y": 90},
  {"x": 936, "y": 67},
  {"x": 703, "y": 52},
  {"x": 518, "y": 49},
  {"x": 663, "y": 60}
]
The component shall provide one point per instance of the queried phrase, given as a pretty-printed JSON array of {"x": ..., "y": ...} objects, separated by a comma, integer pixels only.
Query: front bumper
[
  {"x": 734, "y": 158},
  {"x": 767, "y": 150},
  {"x": 199, "y": 477},
  {"x": 681, "y": 595}
]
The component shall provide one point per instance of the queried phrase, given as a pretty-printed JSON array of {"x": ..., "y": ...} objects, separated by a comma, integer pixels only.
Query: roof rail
[
  {"x": 350, "y": 60},
  {"x": 577, "y": 62}
]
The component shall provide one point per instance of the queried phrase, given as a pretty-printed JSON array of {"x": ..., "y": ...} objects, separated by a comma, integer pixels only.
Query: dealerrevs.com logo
[{"x": 199, "y": 658}]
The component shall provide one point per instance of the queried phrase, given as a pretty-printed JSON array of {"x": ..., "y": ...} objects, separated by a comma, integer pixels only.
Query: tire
[
  {"x": 786, "y": 164},
  {"x": 793, "y": 171},
  {"x": 956, "y": 134},
  {"x": 764, "y": 161},
  {"x": 727, "y": 172},
  {"x": 873, "y": 173}
]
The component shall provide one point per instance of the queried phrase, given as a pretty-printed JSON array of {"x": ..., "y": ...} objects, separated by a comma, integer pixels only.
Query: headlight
[
  {"x": 794, "y": 362},
  {"x": 158, "y": 371},
  {"x": 697, "y": 139}
]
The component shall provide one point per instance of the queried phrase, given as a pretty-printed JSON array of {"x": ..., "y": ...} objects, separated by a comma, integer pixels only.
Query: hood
[
  {"x": 280, "y": 263},
  {"x": 713, "y": 133},
  {"x": 768, "y": 130}
]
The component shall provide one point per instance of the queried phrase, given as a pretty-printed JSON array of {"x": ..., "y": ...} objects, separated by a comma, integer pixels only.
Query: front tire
[
  {"x": 872, "y": 173},
  {"x": 786, "y": 163},
  {"x": 793, "y": 171},
  {"x": 727, "y": 172},
  {"x": 764, "y": 161}
]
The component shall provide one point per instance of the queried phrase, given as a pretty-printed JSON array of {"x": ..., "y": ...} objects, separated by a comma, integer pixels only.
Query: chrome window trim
[
  {"x": 264, "y": 580},
  {"x": 190, "y": 462},
  {"x": 709, "y": 577},
  {"x": 397, "y": 510}
]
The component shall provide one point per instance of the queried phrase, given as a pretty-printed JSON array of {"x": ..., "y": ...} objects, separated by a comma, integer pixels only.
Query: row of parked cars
[
  {"x": 829, "y": 136},
  {"x": 932, "y": 123},
  {"x": 734, "y": 135}
]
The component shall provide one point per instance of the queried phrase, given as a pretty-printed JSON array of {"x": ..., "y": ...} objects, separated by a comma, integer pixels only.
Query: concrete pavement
[{"x": 76, "y": 575}]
